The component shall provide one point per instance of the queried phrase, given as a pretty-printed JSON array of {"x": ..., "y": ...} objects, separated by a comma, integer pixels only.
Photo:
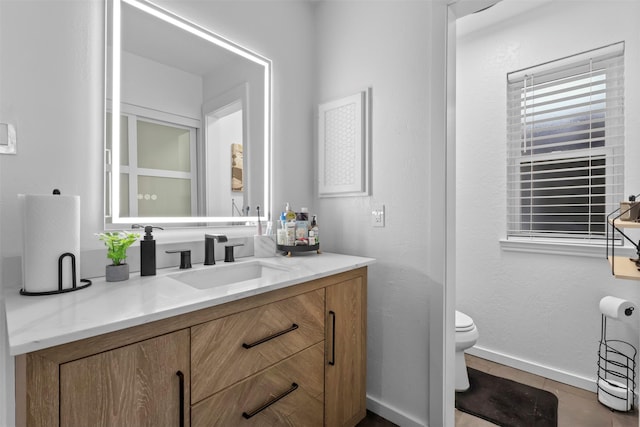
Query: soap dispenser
[{"x": 147, "y": 251}]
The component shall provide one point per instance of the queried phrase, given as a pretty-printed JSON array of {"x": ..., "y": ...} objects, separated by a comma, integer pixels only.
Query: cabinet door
[
  {"x": 346, "y": 353},
  {"x": 143, "y": 384}
]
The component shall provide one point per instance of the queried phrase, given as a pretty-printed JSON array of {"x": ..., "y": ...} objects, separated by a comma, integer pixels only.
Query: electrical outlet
[{"x": 377, "y": 216}]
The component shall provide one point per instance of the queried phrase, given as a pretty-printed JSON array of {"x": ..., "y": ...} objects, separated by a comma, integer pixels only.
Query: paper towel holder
[{"x": 60, "y": 290}]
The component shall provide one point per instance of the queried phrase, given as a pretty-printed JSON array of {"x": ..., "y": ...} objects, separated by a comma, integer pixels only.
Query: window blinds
[{"x": 565, "y": 152}]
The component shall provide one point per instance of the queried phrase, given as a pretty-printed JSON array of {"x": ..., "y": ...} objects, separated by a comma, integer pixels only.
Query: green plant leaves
[{"x": 117, "y": 244}]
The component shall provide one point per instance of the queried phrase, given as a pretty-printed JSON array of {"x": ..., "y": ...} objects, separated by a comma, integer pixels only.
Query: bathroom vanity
[{"x": 280, "y": 349}]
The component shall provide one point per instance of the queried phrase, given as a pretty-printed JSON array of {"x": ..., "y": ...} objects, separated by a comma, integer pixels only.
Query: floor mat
[{"x": 507, "y": 403}]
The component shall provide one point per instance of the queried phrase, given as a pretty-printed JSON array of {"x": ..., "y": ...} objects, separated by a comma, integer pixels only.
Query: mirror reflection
[{"x": 192, "y": 142}]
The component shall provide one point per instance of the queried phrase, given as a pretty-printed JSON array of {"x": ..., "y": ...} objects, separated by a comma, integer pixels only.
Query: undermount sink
[{"x": 227, "y": 274}]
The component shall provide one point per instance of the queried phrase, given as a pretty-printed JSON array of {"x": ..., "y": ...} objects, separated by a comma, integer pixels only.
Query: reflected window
[{"x": 158, "y": 173}]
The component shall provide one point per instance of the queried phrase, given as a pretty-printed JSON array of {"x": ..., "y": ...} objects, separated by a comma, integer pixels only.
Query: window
[{"x": 565, "y": 135}]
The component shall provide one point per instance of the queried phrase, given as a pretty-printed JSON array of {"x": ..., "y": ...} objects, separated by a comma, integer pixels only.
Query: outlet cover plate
[{"x": 377, "y": 216}]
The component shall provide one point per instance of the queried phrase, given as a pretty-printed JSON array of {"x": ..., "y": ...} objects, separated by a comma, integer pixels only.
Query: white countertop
[{"x": 37, "y": 322}]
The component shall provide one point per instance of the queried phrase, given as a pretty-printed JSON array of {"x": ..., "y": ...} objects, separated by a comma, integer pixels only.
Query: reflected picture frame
[{"x": 237, "y": 168}]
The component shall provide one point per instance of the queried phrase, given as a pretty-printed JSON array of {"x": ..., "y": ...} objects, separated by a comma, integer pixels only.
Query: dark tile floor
[
  {"x": 374, "y": 420},
  {"x": 576, "y": 407}
]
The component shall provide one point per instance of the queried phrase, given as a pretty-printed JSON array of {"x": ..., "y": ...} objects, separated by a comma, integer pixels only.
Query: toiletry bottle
[
  {"x": 147, "y": 251},
  {"x": 314, "y": 231},
  {"x": 290, "y": 233},
  {"x": 302, "y": 227},
  {"x": 281, "y": 232},
  {"x": 290, "y": 215}
]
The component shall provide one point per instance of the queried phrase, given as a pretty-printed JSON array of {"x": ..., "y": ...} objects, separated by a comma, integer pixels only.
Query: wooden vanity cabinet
[
  {"x": 194, "y": 369},
  {"x": 346, "y": 352}
]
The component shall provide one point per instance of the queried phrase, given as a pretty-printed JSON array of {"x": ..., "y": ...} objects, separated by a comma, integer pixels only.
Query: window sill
[{"x": 569, "y": 249}]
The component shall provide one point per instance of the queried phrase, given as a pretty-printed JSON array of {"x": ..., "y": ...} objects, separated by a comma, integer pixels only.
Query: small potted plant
[{"x": 117, "y": 244}]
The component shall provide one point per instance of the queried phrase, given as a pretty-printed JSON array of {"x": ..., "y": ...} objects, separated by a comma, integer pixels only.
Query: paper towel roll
[
  {"x": 615, "y": 308},
  {"x": 50, "y": 228}
]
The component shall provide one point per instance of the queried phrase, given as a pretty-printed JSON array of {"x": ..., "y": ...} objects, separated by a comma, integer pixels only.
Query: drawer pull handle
[
  {"x": 333, "y": 338},
  {"x": 248, "y": 415},
  {"x": 270, "y": 337},
  {"x": 181, "y": 398}
]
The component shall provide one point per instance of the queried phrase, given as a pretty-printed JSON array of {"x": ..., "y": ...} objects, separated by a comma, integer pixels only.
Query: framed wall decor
[
  {"x": 343, "y": 146},
  {"x": 7, "y": 138},
  {"x": 237, "y": 168}
]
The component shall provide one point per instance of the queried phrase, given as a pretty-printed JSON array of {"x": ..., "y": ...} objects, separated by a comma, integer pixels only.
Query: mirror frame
[{"x": 198, "y": 31}]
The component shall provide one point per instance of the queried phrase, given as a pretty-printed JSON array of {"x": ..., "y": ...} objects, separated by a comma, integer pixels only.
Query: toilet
[{"x": 466, "y": 337}]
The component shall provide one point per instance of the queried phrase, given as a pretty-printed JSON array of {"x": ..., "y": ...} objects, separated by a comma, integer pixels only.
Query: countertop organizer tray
[{"x": 289, "y": 250}]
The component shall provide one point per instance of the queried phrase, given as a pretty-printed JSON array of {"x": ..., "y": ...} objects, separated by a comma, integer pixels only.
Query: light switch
[{"x": 377, "y": 216}]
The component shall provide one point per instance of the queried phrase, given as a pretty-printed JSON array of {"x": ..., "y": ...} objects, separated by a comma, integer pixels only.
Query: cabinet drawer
[
  {"x": 226, "y": 350},
  {"x": 298, "y": 381}
]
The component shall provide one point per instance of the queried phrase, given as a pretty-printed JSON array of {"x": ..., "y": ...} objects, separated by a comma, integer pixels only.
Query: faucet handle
[
  {"x": 228, "y": 251},
  {"x": 185, "y": 257}
]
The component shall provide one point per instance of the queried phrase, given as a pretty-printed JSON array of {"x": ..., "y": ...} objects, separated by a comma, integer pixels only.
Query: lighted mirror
[{"x": 193, "y": 141}]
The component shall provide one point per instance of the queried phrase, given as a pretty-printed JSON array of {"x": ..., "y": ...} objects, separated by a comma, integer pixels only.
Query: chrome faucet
[{"x": 209, "y": 247}]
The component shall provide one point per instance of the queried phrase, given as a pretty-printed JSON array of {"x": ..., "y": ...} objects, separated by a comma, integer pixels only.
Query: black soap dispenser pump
[{"x": 147, "y": 251}]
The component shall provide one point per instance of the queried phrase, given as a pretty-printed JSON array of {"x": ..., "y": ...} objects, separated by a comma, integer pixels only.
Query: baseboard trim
[
  {"x": 402, "y": 419},
  {"x": 392, "y": 414},
  {"x": 535, "y": 368}
]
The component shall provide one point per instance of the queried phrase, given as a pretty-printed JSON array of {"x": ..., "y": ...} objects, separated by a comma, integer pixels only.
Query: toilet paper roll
[
  {"x": 50, "y": 228},
  {"x": 616, "y": 308}
]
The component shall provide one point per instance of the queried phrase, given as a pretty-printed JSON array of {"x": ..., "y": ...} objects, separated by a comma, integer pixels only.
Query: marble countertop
[{"x": 38, "y": 322}]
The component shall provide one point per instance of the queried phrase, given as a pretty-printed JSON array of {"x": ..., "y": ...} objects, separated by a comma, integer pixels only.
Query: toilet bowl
[{"x": 466, "y": 337}]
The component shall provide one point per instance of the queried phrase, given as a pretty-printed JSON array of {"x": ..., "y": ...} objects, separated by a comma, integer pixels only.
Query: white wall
[
  {"x": 51, "y": 86},
  {"x": 217, "y": 86},
  {"x": 51, "y": 82},
  {"x": 280, "y": 30},
  {"x": 222, "y": 133},
  {"x": 150, "y": 84},
  {"x": 388, "y": 45},
  {"x": 534, "y": 311}
]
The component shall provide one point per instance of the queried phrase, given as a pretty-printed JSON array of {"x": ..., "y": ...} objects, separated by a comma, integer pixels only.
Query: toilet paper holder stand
[
  {"x": 616, "y": 376},
  {"x": 61, "y": 290}
]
